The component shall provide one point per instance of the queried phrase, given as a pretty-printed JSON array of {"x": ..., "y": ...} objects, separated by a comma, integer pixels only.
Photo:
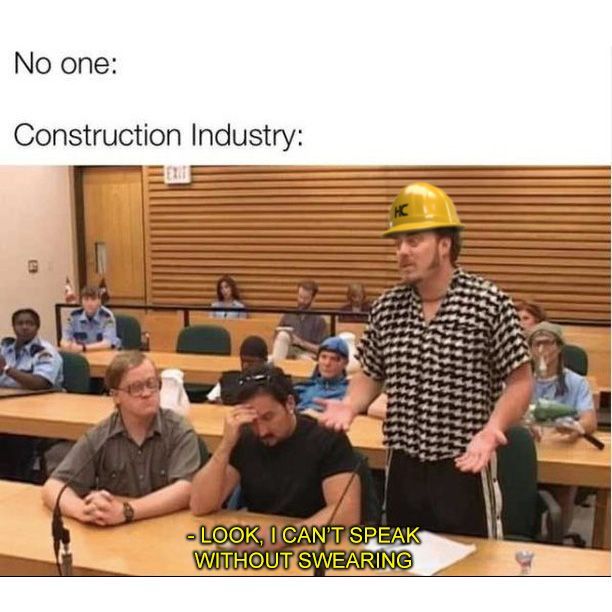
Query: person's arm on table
[
  {"x": 102, "y": 345},
  {"x": 587, "y": 417},
  {"x": 347, "y": 514},
  {"x": 349, "y": 511},
  {"x": 319, "y": 334},
  {"x": 509, "y": 410},
  {"x": 378, "y": 408},
  {"x": 339, "y": 414},
  {"x": 70, "y": 505},
  {"x": 106, "y": 509},
  {"x": 26, "y": 380},
  {"x": 311, "y": 347},
  {"x": 215, "y": 481},
  {"x": 587, "y": 422}
]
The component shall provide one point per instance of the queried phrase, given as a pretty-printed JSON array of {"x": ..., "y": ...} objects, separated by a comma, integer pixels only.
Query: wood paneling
[
  {"x": 113, "y": 215},
  {"x": 541, "y": 233}
]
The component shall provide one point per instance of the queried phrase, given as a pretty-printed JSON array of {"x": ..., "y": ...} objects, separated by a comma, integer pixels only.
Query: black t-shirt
[
  {"x": 230, "y": 387},
  {"x": 287, "y": 479}
]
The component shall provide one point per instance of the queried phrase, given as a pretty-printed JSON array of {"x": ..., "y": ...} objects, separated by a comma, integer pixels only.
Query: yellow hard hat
[{"x": 421, "y": 206}]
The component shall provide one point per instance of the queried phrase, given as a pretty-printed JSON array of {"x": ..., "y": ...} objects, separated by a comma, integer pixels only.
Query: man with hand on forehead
[
  {"x": 450, "y": 350},
  {"x": 285, "y": 464},
  {"x": 135, "y": 464}
]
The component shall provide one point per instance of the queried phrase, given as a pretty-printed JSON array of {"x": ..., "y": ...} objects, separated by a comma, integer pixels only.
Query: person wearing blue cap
[{"x": 328, "y": 381}]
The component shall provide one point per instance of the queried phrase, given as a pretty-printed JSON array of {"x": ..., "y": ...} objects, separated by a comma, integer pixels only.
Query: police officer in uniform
[
  {"x": 26, "y": 362},
  {"x": 92, "y": 327}
]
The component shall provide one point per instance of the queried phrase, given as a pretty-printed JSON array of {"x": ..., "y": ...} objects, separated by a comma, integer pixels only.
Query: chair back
[
  {"x": 576, "y": 359},
  {"x": 128, "y": 329},
  {"x": 371, "y": 506},
  {"x": 76, "y": 373},
  {"x": 204, "y": 340},
  {"x": 517, "y": 468}
]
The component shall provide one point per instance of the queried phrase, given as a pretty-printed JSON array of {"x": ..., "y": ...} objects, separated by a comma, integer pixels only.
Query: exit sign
[{"x": 177, "y": 175}]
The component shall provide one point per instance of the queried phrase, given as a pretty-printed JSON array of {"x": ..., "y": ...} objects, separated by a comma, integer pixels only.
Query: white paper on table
[{"x": 433, "y": 554}]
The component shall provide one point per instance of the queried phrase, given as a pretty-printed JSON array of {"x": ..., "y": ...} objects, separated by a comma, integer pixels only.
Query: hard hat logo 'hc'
[
  {"x": 430, "y": 208},
  {"x": 400, "y": 211}
]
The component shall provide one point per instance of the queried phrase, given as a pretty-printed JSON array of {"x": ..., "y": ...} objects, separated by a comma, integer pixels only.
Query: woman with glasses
[
  {"x": 553, "y": 381},
  {"x": 141, "y": 452}
]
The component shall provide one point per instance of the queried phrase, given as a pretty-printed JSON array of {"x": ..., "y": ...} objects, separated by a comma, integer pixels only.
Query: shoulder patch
[
  {"x": 105, "y": 312},
  {"x": 76, "y": 312},
  {"x": 8, "y": 341},
  {"x": 36, "y": 348}
]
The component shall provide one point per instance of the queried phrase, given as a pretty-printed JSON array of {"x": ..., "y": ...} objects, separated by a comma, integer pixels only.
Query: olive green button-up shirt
[{"x": 107, "y": 458}]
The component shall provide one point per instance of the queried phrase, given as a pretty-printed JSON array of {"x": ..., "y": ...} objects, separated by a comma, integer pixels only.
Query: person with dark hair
[
  {"x": 285, "y": 464},
  {"x": 328, "y": 381},
  {"x": 556, "y": 382},
  {"x": 298, "y": 335},
  {"x": 453, "y": 359},
  {"x": 91, "y": 327},
  {"x": 26, "y": 361},
  {"x": 530, "y": 314},
  {"x": 135, "y": 464},
  {"x": 357, "y": 306},
  {"x": 253, "y": 351},
  {"x": 227, "y": 296}
]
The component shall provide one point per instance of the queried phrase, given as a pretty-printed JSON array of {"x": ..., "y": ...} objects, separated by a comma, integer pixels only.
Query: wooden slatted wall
[{"x": 539, "y": 232}]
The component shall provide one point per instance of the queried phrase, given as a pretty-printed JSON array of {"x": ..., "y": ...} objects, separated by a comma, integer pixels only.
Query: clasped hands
[{"x": 102, "y": 508}]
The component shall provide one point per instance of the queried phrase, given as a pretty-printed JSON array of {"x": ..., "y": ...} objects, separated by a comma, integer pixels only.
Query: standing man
[
  {"x": 92, "y": 327},
  {"x": 449, "y": 347},
  {"x": 299, "y": 335}
]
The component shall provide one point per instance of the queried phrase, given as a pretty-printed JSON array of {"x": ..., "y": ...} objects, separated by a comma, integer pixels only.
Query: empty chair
[
  {"x": 204, "y": 340},
  {"x": 128, "y": 330},
  {"x": 77, "y": 378},
  {"x": 523, "y": 504}
]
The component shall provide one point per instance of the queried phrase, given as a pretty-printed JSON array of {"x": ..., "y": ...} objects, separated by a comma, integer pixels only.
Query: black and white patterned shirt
[{"x": 443, "y": 377}]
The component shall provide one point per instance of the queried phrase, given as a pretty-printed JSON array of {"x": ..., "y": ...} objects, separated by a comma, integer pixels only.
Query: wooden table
[
  {"x": 158, "y": 547},
  {"x": 60, "y": 415},
  {"x": 580, "y": 463},
  {"x": 204, "y": 369}
]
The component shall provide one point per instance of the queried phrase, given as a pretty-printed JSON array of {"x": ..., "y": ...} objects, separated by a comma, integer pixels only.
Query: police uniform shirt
[
  {"x": 84, "y": 330},
  {"x": 107, "y": 458},
  {"x": 444, "y": 377},
  {"x": 36, "y": 357}
]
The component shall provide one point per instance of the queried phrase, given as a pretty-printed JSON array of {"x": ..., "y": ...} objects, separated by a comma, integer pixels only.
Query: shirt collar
[
  {"x": 96, "y": 316},
  {"x": 26, "y": 347},
  {"x": 116, "y": 426}
]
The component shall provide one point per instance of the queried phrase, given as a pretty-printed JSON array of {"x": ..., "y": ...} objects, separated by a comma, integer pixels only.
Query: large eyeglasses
[
  {"x": 543, "y": 343},
  {"x": 136, "y": 389}
]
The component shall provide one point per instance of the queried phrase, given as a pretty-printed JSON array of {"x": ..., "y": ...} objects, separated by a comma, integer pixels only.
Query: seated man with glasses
[
  {"x": 135, "y": 464},
  {"x": 285, "y": 463}
]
